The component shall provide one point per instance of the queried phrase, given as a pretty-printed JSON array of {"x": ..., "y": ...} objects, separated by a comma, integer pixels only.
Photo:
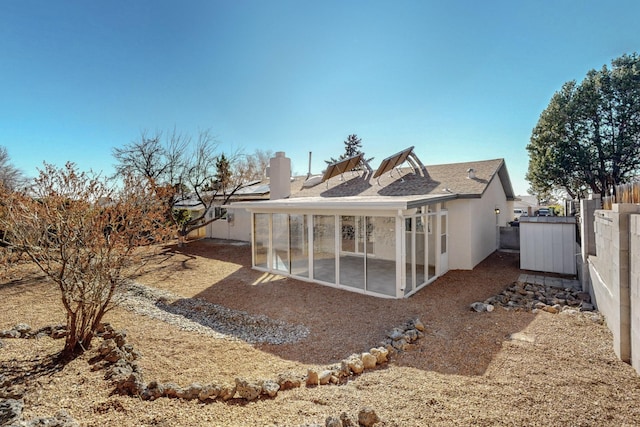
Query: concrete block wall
[
  {"x": 510, "y": 238},
  {"x": 634, "y": 288},
  {"x": 587, "y": 239},
  {"x": 610, "y": 274}
]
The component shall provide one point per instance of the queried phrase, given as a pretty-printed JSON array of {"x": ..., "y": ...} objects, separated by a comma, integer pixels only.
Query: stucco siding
[
  {"x": 485, "y": 222},
  {"x": 473, "y": 228},
  {"x": 237, "y": 226},
  {"x": 459, "y": 212}
]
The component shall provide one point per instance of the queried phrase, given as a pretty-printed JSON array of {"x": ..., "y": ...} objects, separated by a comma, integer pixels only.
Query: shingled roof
[{"x": 439, "y": 180}]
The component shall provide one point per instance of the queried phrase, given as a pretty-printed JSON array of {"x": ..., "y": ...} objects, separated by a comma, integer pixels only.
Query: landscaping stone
[
  {"x": 333, "y": 422},
  {"x": 247, "y": 390},
  {"x": 369, "y": 361},
  {"x": 61, "y": 419},
  {"x": 270, "y": 388},
  {"x": 367, "y": 417},
  {"x": 208, "y": 392},
  {"x": 550, "y": 297},
  {"x": 380, "y": 353},
  {"x": 354, "y": 362},
  {"x": 22, "y": 328},
  {"x": 288, "y": 380},
  {"x": 312, "y": 378},
  {"x": 346, "y": 421},
  {"x": 227, "y": 392},
  {"x": 481, "y": 306},
  {"x": 325, "y": 376},
  {"x": 10, "y": 411}
]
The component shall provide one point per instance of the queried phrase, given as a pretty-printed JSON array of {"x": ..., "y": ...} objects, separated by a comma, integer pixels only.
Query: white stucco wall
[
  {"x": 472, "y": 226},
  {"x": 239, "y": 228},
  {"x": 459, "y": 213}
]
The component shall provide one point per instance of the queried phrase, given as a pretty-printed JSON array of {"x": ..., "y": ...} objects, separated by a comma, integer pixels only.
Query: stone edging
[{"x": 119, "y": 360}]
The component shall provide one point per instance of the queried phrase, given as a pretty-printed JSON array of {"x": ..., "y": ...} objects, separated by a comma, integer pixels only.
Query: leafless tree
[
  {"x": 82, "y": 233},
  {"x": 252, "y": 167},
  {"x": 10, "y": 176},
  {"x": 185, "y": 169}
]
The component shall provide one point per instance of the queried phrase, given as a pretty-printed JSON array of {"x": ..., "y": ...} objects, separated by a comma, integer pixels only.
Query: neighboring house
[
  {"x": 385, "y": 233},
  {"x": 525, "y": 206},
  {"x": 236, "y": 223},
  {"x": 195, "y": 209}
]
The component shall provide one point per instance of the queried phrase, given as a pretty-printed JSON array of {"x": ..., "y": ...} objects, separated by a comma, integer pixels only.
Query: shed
[{"x": 548, "y": 244}]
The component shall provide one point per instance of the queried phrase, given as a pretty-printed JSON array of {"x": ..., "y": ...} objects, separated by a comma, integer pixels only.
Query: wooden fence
[{"x": 625, "y": 193}]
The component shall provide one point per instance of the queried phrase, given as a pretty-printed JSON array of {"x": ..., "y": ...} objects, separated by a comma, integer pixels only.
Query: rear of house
[{"x": 385, "y": 234}]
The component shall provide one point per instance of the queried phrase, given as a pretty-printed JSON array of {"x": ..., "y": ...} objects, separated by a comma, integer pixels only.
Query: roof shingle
[{"x": 450, "y": 178}]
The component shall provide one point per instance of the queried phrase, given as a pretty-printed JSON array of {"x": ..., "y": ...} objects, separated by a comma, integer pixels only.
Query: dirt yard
[{"x": 465, "y": 371}]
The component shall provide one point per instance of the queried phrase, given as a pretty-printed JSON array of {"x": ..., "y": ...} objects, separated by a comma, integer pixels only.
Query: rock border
[
  {"x": 23, "y": 330},
  {"x": 119, "y": 361}
]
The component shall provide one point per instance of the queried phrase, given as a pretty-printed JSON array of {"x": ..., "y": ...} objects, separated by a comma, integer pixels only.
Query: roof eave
[{"x": 505, "y": 181}]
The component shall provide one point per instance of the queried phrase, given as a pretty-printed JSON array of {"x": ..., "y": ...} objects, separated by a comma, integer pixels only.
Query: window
[
  {"x": 261, "y": 240},
  {"x": 220, "y": 212}
]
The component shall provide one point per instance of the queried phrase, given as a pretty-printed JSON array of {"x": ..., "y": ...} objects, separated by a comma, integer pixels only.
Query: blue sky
[{"x": 459, "y": 80}]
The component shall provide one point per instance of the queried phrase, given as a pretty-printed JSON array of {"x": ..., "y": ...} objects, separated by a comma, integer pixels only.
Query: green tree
[
  {"x": 352, "y": 147},
  {"x": 588, "y": 137},
  {"x": 223, "y": 173}
]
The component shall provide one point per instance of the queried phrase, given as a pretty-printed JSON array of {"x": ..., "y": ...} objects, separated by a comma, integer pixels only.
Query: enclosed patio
[{"x": 388, "y": 249}]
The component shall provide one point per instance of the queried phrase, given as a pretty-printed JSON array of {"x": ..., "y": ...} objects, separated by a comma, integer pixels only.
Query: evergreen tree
[
  {"x": 588, "y": 138},
  {"x": 352, "y": 147},
  {"x": 223, "y": 173}
]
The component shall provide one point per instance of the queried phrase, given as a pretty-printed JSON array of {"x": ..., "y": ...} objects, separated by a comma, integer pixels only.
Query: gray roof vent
[{"x": 471, "y": 173}]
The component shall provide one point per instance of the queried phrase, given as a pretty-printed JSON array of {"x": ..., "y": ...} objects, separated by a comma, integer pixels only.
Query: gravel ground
[
  {"x": 198, "y": 315},
  {"x": 498, "y": 368}
]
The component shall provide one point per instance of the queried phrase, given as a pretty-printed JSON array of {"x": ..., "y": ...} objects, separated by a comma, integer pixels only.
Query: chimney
[
  {"x": 279, "y": 176},
  {"x": 471, "y": 173}
]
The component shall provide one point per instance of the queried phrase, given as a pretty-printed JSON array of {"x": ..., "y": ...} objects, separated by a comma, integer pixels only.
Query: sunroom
[{"x": 383, "y": 246}]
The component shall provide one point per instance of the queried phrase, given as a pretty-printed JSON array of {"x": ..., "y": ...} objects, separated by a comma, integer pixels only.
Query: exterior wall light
[{"x": 497, "y": 210}]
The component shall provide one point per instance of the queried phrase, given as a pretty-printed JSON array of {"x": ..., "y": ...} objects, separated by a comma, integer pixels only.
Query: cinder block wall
[
  {"x": 610, "y": 288},
  {"x": 611, "y": 274},
  {"x": 634, "y": 288},
  {"x": 510, "y": 238}
]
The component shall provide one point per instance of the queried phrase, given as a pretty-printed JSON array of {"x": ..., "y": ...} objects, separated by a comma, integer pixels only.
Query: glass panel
[
  {"x": 370, "y": 238},
  {"x": 324, "y": 240},
  {"x": 421, "y": 255},
  {"x": 430, "y": 248},
  {"x": 381, "y": 255},
  {"x": 409, "y": 283},
  {"x": 299, "y": 245},
  {"x": 261, "y": 239},
  {"x": 443, "y": 231},
  {"x": 280, "y": 245},
  {"x": 348, "y": 231},
  {"x": 351, "y": 258}
]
